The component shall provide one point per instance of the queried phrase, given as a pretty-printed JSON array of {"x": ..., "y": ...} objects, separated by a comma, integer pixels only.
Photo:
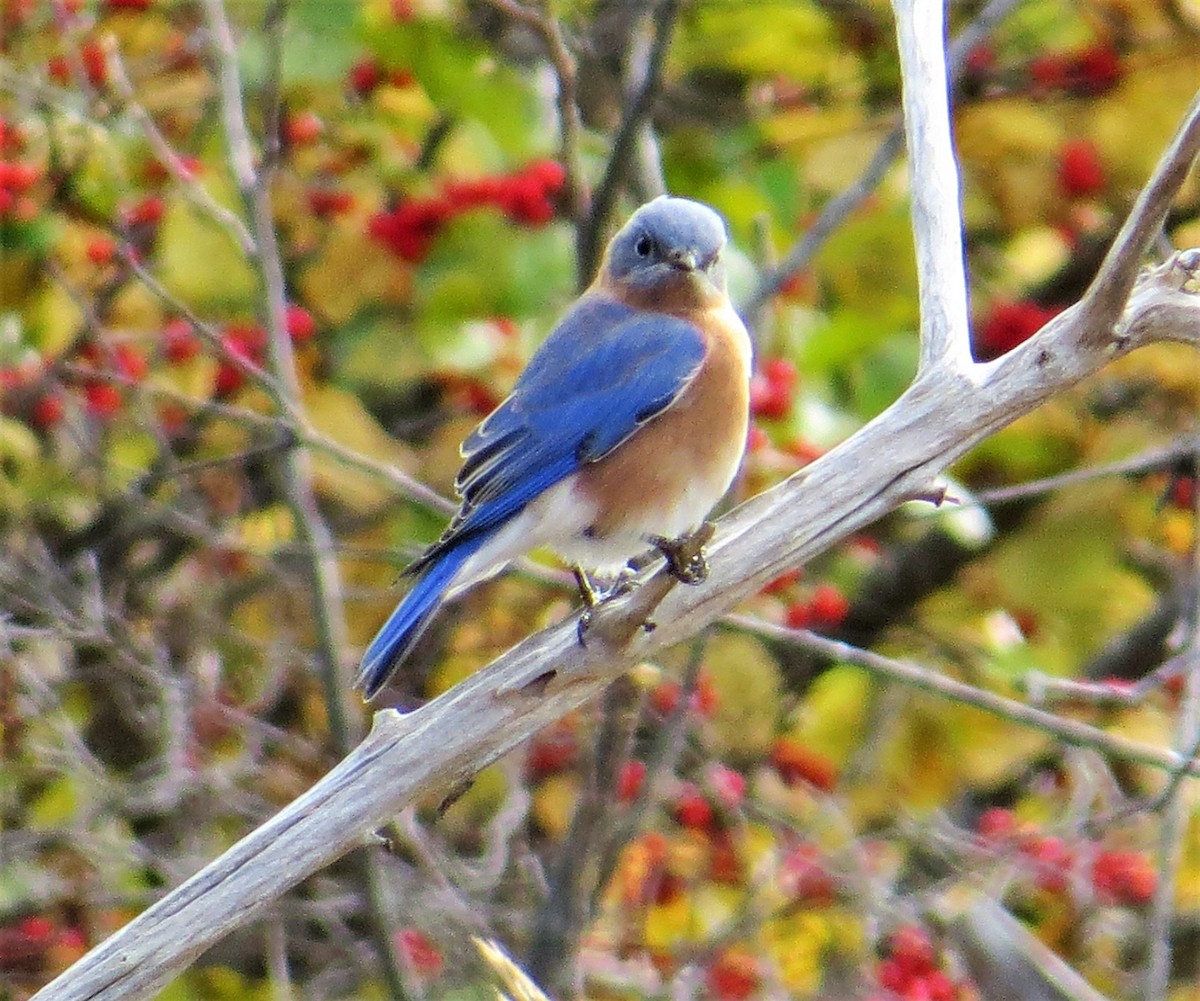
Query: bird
[{"x": 626, "y": 427}]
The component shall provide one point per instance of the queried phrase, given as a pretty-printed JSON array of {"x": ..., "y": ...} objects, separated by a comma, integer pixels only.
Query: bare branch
[{"x": 935, "y": 196}]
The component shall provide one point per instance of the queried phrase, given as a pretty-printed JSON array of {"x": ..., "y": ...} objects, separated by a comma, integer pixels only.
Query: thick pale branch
[
  {"x": 448, "y": 740},
  {"x": 933, "y": 174}
]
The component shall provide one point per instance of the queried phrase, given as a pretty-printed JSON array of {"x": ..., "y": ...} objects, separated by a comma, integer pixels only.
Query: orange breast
[{"x": 667, "y": 477}]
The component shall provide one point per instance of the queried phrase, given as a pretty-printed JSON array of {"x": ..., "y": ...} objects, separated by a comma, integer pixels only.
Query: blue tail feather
[{"x": 414, "y": 613}]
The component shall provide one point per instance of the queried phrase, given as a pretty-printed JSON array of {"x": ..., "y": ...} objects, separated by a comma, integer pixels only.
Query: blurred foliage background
[{"x": 759, "y": 821}]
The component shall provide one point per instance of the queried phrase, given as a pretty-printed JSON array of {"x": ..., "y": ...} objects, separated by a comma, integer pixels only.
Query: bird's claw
[
  {"x": 686, "y": 560},
  {"x": 593, "y": 597}
]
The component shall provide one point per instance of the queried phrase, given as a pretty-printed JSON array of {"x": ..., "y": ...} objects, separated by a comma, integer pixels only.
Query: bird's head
[{"x": 668, "y": 256}]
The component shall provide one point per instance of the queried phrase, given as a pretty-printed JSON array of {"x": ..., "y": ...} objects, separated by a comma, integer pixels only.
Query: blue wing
[{"x": 602, "y": 373}]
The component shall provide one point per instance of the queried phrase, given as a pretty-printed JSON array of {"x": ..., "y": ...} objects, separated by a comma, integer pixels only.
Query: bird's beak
[{"x": 684, "y": 260}]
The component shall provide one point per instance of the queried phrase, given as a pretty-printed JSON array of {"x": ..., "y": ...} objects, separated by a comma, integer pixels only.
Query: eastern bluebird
[{"x": 625, "y": 429}]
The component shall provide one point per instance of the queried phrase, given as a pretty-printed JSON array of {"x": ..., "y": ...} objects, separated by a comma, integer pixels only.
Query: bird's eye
[{"x": 643, "y": 246}]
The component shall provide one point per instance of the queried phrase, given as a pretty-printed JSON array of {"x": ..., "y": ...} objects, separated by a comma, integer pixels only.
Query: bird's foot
[
  {"x": 686, "y": 560},
  {"x": 594, "y": 596}
]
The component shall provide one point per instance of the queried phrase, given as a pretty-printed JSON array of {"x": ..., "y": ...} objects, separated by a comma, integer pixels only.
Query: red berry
[
  {"x": 103, "y": 399},
  {"x": 704, "y": 700},
  {"x": 691, "y": 809},
  {"x": 1052, "y": 860},
  {"x": 829, "y": 606},
  {"x": 48, "y": 409},
  {"x": 1049, "y": 71},
  {"x": 728, "y": 785},
  {"x": 940, "y": 987},
  {"x": 1080, "y": 172},
  {"x": 799, "y": 615},
  {"x": 980, "y": 60},
  {"x": 95, "y": 64},
  {"x": 550, "y": 174},
  {"x": 892, "y": 975},
  {"x": 326, "y": 202},
  {"x": 130, "y": 362},
  {"x": 36, "y": 929},
  {"x": 781, "y": 372},
  {"x": 629, "y": 782},
  {"x": 409, "y": 229},
  {"x": 910, "y": 946},
  {"x": 664, "y": 697},
  {"x": 302, "y": 128},
  {"x": 797, "y": 763},
  {"x": 781, "y": 583},
  {"x": 524, "y": 200},
  {"x": 734, "y": 976},
  {"x": 803, "y": 876},
  {"x": 300, "y": 324},
  {"x": 551, "y": 752},
  {"x": 101, "y": 250},
  {"x": 757, "y": 439},
  {"x": 1183, "y": 492},
  {"x": 403, "y": 10},
  {"x": 180, "y": 342},
  {"x": 419, "y": 952},
  {"x": 997, "y": 824},
  {"x": 1009, "y": 324},
  {"x": 768, "y": 399},
  {"x": 147, "y": 212},
  {"x": 229, "y": 379},
  {"x": 18, "y": 176},
  {"x": 1124, "y": 877},
  {"x": 365, "y": 75},
  {"x": 1096, "y": 70}
]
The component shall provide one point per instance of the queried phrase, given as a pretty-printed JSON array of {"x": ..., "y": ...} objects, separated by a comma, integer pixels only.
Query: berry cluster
[
  {"x": 773, "y": 389},
  {"x": 910, "y": 969},
  {"x": 367, "y": 75},
  {"x": 28, "y": 945},
  {"x": 526, "y": 197},
  {"x": 16, "y": 176},
  {"x": 1086, "y": 72},
  {"x": 1116, "y": 876}
]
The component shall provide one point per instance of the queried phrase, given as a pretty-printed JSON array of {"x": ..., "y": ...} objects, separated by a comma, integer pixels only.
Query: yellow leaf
[
  {"x": 554, "y": 803},
  {"x": 351, "y": 272},
  {"x": 341, "y": 416},
  {"x": 746, "y": 680}
]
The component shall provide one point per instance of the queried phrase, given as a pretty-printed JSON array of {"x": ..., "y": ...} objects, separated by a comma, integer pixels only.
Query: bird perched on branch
[{"x": 627, "y": 426}]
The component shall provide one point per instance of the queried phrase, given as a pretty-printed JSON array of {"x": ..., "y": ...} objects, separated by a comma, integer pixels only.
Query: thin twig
[
  {"x": 327, "y": 606},
  {"x": 1069, "y": 730},
  {"x": 192, "y": 189},
  {"x": 570, "y": 123},
  {"x": 1150, "y": 461},
  {"x": 835, "y": 211},
  {"x": 638, "y": 105},
  {"x": 1109, "y": 290},
  {"x": 1175, "y": 809}
]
